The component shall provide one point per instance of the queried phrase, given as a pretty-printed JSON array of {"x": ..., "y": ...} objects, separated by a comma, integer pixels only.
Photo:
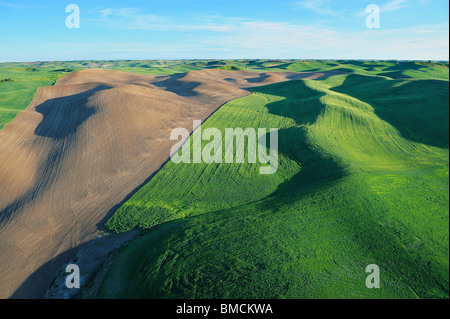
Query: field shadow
[
  {"x": 318, "y": 171},
  {"x": 417, "y": 109},
  {"x": 36, "y": 285},
  {"x": 63, "y": 116},
  {"x": 397, "y": 71},
  {"x": 403, "y": 66},
  {"x": 343, "y": 70},
  {"x": 281, "y": 66},
  {"x": 89, "y": 256},
  {"x": 61, "y": 119},
  {"x": 173, "y": 83},
  {"x": 258, "y": 79},
  {"x": 366, "y": 65},
  {"x": 303, "y": 105},
  {"x": 325, "y": 74}
]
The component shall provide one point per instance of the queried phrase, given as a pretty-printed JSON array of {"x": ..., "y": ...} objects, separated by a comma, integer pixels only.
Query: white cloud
[
  {"x": 283, "y": 40},
  {"x": 394, "y": 5},
  {"x": 132, "y": 19},
  {"x": 318, "y": 6},
  {"x": 246, "y": 38}
]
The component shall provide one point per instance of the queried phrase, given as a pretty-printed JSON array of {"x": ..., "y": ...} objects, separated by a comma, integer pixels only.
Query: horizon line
[{"x": 236, "y": 59}]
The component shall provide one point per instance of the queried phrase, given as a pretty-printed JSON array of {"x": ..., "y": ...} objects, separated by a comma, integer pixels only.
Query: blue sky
[{"x": 33, "y": 30}]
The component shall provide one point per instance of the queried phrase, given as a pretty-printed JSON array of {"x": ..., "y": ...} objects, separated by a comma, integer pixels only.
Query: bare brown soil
[{"x": 82, "y": 147}]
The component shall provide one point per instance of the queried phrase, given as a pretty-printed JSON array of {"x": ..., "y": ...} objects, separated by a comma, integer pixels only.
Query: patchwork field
[
  {"x": 19, "y": 81},
  {"x": 362, "y": 178},
  {"x": 85, "y": 144}
]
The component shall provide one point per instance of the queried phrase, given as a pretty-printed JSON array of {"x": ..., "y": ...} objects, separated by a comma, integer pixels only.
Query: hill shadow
[
  {"x": 397, "y": 71},
  {"x": 89, "y": 256},
  {"x": 173, "y": 83},
  {"x": 63, "y": 116},
  {"x": 417, "y": 109},
  {"x": 302, "y": 105},
  {"x": 259, "y": 79},
  {"x": 367, "y": 65},
  {"x": 61, "y": 119},
  {"x": 403, "y": 66},
  {"x": 36, "y": 285}
]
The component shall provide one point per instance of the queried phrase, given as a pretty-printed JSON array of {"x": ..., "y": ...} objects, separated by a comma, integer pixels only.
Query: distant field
[
  {"x": 19, "y": 87},
  {"x": 24, "y": 78},
  {"x": 363, "y": 179}
]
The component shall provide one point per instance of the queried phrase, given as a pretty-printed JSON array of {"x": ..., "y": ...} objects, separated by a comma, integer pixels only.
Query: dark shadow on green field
[
  {"x": 397, "y": 71},
  {"x": 235, "y": 252},
  {"x": 344, "y": 70},
  {"x": 403, "y": 66},
  {"x": 318, "y": 171},
  {"x": 303, "y": 105},
  {"x": 366, "y": 65},
  {"x": 418, "y": 109}
]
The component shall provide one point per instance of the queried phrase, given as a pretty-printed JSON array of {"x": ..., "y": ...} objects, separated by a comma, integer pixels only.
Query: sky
[{"x": 36, "y": 30}]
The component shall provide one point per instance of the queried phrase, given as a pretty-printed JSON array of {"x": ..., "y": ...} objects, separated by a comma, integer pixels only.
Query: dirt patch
[{"x": 89, "y": 259}]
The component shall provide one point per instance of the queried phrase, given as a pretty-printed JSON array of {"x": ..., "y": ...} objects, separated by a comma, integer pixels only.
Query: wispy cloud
[
  {"x": 390, "y": 6},
  {"x": 270, "y": 39},
  {"x": 321, "y": 7},
  {"x": 290, "y": 40},
  {"x": 14, "y": 6},
  {"x": 262, "y": 39},
  {"x": 394, "y": 5},
  {"x": 133, "y": 19}
]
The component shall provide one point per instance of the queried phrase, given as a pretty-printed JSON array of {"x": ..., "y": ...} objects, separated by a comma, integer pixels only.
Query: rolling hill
[
  {"x": 363, "y": 179},
  {"x": 82, "y": 147}
]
